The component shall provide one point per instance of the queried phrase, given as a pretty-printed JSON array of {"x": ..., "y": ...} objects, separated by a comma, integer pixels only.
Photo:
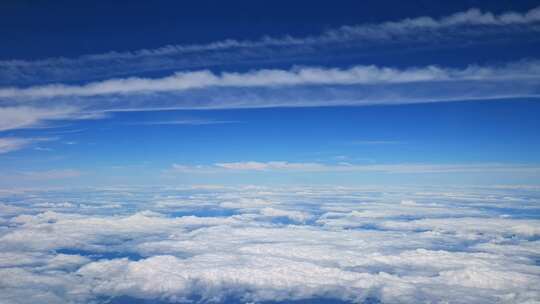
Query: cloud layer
[{"x": 255, "y": 244}]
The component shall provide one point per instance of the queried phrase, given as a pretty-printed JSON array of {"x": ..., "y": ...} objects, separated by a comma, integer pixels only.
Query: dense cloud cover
[{"x": 255, "y": 244}]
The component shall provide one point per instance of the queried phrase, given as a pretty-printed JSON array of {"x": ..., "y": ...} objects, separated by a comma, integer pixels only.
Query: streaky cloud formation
[
  {"x": 51, "y": 174},
  {"x": 284, "y": 166},
  {"x": 472, "y": 22},
  {"x": 300, "y": 76},
  {"x": 9, "y": 144},
  {"x": 298, "y": 87},
  {"x": 28, "y": 117}
]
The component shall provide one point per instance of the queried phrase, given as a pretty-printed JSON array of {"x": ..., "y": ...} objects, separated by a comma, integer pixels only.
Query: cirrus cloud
[{"x": 422, "y": 30}]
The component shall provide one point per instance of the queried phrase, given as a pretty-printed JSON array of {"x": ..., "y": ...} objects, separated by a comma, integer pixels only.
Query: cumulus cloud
[
  {"x": 466, "y": 24},
  {"x": 296, "y": 216},
  {"x": 358, "y": 245}
]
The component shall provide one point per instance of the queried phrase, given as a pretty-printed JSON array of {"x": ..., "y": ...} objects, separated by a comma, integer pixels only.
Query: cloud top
[{"x": 356, "y": 245}]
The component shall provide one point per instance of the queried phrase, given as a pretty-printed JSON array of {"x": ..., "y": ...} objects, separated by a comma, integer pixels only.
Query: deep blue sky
[
  {"x": 139, "y": 147},
  {"x": 35, "y": 29}
]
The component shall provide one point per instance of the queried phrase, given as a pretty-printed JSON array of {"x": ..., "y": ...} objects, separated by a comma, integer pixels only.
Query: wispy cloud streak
[
  {"x": 284, "y": 166},
  {"x": 10, "y": 144},
  {"x": 300, "y": 76},
  {"x": 473, "y": 22},
  {"x": 51, "y": 174},
  {"x": 22, "y": 117},
  {"x": 298, "y": 87}
]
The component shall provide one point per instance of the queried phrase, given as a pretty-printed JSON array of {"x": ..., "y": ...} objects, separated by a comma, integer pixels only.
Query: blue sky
[
  {"x": 269, "y": 152},
  {"x": 352, "y": 93}
]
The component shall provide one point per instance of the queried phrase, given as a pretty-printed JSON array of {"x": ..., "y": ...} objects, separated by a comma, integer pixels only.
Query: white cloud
[
  {"x": 24, "y": 117},
  {"x": 244, "y": 203},
  {"x": 471, "y": 23},
  {"x": 453, "y": 251},
  {"x": 34, "y": 106},
  {"x": 500, "y": 226},
  {"x": 276, "y": 166},
  {"x": 296, "y": 216},
  {"x": 28, "y": 117},
  {"x": 273, "y": 165},
  {"x": 358, "y": 75},
  {"x": 10, "y": 144}
]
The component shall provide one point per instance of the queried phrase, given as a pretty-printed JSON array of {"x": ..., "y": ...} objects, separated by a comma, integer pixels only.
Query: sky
[
  {"x": 269, "y": 152},
  {"x": 377, "y": 92}
]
